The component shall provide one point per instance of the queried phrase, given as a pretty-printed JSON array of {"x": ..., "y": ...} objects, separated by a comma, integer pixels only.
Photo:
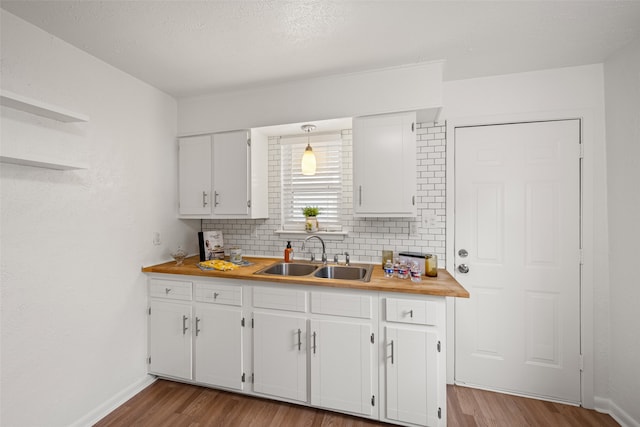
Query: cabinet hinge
[
  {"x": 253, "y": 378},
  {"x": 242, "y": 322},
  {"x": 581, "y": 155},
  {"x": 242, "y": 379},
  {"x": 439, "y": 347},
  {"x": 581, "y": 361},
  {"x": 149, "y": 360},
  {"x": 373, "y": 400},
  {"x": 581, "y": 255},
  {"x": 439, "y": 413},
  {"x": 249, "y": 142},
  {"x": 373, "y": 338},
  {"x": 248, "y": 203}
]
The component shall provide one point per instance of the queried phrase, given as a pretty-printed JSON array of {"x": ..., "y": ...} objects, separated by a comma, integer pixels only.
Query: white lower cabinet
[
  {"x": 170, "y": 339},
  {"x": 414, "y": 361},
  {"x": 218, "y": 346},
  {"x": 411, "y": 373},
  {"x": 343, "y": 351},
  {"x": 200, "y": 341},
  {"x": 370, "y": 354},
  {"x": 342, "y": 366},
  {"x": 170, "y": 317},
  {"x": 280, "y": 355}
]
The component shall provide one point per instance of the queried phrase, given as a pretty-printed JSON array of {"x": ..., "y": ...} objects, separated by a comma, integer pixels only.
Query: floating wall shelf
[
  {"x": 61, "y": 166},
  {"x": 23, "y": 103},
  {"x": 28, "y": 143}
]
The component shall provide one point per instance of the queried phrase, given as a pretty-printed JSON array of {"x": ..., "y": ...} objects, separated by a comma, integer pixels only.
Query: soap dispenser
[{"x": 288, "y": 252}]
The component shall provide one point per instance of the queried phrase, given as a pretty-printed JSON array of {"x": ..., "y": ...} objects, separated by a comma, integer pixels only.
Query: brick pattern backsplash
[{"x": 367, "y": 236}]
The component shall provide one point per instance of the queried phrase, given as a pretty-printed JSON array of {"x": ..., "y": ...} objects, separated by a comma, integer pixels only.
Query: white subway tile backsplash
[{"x": 367, "y": 236}]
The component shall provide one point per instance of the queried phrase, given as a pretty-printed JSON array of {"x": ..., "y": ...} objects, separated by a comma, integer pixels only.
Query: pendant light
[{"x": 308, "y": 163}]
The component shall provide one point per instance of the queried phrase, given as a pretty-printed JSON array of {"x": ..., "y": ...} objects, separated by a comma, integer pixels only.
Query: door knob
[{"x": 463, "y": 268}]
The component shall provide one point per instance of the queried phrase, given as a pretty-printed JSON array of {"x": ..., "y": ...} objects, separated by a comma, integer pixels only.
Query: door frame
[{"x": 589, "y": 133}]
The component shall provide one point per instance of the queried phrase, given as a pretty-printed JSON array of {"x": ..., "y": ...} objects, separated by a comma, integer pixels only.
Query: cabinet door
[
  {"x": 412, "y": 376},
  {"x": 194, "y": 175},
  {"x": 384, "y": 165},
  {"x": 280, "y": 355},
  {"x": 170, "y": 339},
  {"x": 218, "y": 346},
  {"x": 231, "y": 173},
  {"x": 341, "y": 366}
]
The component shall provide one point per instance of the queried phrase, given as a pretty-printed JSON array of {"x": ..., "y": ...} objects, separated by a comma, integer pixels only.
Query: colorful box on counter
[{"x": 211, "y": 245}]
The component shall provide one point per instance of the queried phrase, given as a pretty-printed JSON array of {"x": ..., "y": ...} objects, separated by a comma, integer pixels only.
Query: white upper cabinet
[
  {"x": 384, "y": 165},
  {"x": 194, "y": 175},
  {"x": 223, "y": 175}
]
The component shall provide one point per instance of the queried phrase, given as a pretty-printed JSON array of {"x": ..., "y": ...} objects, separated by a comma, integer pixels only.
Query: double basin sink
[{"x": 337, "y": 272}]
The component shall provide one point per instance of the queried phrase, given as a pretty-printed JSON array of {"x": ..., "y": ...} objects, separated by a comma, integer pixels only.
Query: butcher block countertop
[{"x": 443, "y": 285}]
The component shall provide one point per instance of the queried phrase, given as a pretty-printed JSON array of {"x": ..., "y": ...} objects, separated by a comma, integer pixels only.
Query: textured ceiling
[{"x": 193, "y": 47}]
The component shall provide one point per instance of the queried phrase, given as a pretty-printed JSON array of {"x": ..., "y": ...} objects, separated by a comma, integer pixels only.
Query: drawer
[
  {"x": 170, "y": 289},
  {"x": 411, "y": 311},
  {"x": 218, "y": 293},
  {"x": 337, "y": 304},
  {"x": 280, "y": 299}
]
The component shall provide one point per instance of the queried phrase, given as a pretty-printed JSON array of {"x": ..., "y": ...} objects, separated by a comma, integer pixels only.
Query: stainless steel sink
[
  {"x": 337, "y": 272},
  {"x": 288, "y": 269},
  {"x": 344, "y": 272}
]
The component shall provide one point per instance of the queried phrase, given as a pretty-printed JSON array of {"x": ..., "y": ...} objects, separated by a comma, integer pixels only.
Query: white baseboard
[
  {"x": 107, "y": 407},
  {"x": 607, "y": 406}
]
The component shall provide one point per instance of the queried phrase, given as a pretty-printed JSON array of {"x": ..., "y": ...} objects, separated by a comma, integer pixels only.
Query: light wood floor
[{"x": 170, "y": 404}]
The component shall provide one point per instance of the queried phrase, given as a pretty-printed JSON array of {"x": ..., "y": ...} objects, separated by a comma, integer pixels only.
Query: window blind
[{"x": 324, "y": 189}]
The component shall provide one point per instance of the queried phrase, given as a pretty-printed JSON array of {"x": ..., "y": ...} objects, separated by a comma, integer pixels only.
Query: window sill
[{"x": 300, "y": 235}]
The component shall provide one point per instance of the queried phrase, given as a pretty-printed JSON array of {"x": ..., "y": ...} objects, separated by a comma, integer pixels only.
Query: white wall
[
  {"x": 622, "y": 89},
  {"x": 407, "y": 88},
  {"x": 557, "y": 93},
  {"x": 73, "y": 297}
]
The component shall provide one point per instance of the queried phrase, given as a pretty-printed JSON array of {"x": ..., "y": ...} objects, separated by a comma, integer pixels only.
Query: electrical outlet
[
  {"x": 156, "y": 238},
  {"x": 413, "y": 228},
  {"x": 429, "y": 221}
]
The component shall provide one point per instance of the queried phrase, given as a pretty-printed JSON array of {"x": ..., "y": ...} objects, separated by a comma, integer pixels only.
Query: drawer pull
[
  {"x": 215, "y": 295},
  {"x": 392, "y": 352},
  {"x": 167, "y": 290},
  {"x": 410, "y": 313},
  {"x": 184, "y": 325}
]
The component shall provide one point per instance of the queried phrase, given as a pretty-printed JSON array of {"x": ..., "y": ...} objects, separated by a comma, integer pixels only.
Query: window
[{"x": 324, "y": 189}]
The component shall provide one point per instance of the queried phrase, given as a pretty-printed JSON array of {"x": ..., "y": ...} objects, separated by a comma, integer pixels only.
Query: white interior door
[{"x": 517, "y": 216}]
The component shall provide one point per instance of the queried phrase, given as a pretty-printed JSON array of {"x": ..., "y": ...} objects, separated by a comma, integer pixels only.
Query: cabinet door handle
[
  {"x": 299, "y": 340},
  {"x": 410, "y": 313},
  {"x": 413, "y": 200},
  {"x": 314, "y": 343},
  {"x": 204, "y": 199},
  {"x": 184, "y": 324},
  {"x": 392, "y": 352},
  {"x": 197, "y": 323},
  {"x": 215, "y": 198},
  {"x": 360, "y": 195},
  {"x": 167, "y": 290}
]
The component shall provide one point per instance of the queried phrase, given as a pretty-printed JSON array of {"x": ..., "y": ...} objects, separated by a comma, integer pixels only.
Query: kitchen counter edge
[{"x": 442, "y": 285}]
